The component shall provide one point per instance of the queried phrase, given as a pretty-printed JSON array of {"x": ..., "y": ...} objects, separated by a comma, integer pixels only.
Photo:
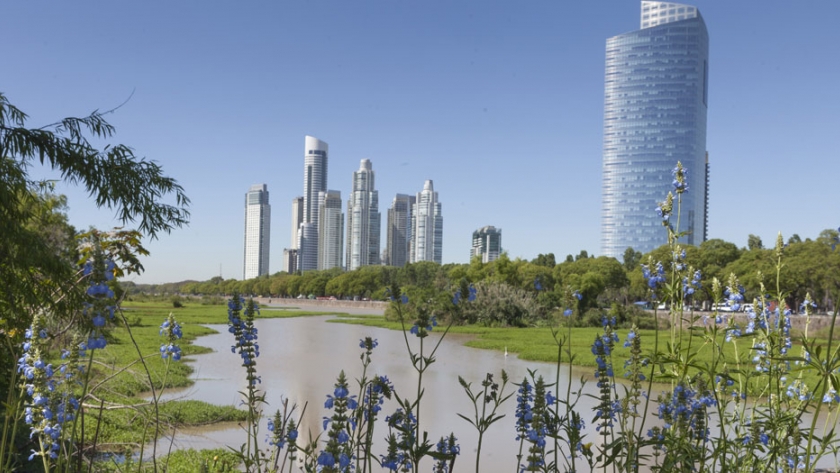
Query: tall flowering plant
[
  {"x": 241, "y": 315},
  {"x": 372, "y": 395},
  {"x": 51, "y": 400},
  {"x": 56, "y": 391},
  {"x": 405, "y": 446},
  {"x": 170, "y": 351},
  {"x": 51, "y": 403}
]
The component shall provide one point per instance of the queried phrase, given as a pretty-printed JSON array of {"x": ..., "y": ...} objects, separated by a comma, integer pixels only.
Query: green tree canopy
[
  {"x": 37, "y": 259},
  {"x": 632, "y": 259}
]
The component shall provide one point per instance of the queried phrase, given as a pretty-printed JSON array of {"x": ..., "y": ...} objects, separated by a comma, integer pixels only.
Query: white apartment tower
[
  {"x": 363, "y": 219},
  {"x": 486, "y": 244},
  {"x": 427, "y": 227},
  {"x": 297, "y": 219},
  {"x": 257, "y": 231},
  {"x": 399, "y": 230},
  {"x": 330, "y": 230}
]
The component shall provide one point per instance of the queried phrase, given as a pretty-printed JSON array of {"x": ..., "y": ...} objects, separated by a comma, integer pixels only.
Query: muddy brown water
[{"x": 300, "y": 359}]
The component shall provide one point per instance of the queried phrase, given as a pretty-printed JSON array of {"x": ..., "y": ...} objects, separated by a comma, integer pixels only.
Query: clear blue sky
[{"x": 500, "y": 103}]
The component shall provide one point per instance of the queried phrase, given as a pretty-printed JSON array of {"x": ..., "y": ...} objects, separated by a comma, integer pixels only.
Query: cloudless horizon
[{"x": 499, "y": 103}]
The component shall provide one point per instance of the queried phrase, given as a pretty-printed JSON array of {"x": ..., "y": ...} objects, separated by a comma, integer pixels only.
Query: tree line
[{"x": 811, "y": 266}]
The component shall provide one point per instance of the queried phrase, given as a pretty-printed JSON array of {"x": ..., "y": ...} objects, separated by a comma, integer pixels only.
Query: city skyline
[
  {"x": 655, "y": 106},
  {"x": 503, "y": 106}
]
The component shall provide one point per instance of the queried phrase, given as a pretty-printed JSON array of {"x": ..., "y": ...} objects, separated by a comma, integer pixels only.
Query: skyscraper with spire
[
  {"x": 363, "y": 219},
  {"x": 655, "y": 103},
  {"x": 427, "y": 227}
]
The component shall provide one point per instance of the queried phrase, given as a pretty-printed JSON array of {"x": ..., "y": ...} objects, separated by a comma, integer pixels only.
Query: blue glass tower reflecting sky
[{"x": 655, "y": 101}]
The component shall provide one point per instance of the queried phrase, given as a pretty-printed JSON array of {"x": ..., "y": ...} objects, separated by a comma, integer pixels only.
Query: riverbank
[{"x": 349, "y": 307}]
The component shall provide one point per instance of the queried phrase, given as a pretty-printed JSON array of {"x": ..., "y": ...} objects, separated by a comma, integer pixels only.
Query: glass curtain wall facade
[
  {"x": 257, "y": 231},
  {"x": 307, "y": 252},
  {"x": 330, "y": 230},
  {"x": 399, "y": 230},
  {"x": 314, "y": 177},
  {"x": 363, "y": 219},
  {"x": 655, "y": 102},
  {"x": 314, "y": 182}
]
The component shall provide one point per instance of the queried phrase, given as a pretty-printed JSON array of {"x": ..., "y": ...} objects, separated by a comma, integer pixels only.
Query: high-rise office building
[
  {"x": 655, "y": 102},
  {"x": 399, "y": 230},
  {"x": 257, "y": 231},
  {"x": 315, "y": 156},
  {"x": 363, "y": 219},
  {"x": 486, "y": 244},
  {"x": 330, "y": 230},
  {"x": 314, "y": 177},
  {"x": 426, "y": 227},
  {"x": 307, "y": 252},
  {"x": 297, "y": 219}
]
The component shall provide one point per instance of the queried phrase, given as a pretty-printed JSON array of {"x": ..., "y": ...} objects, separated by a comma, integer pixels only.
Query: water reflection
[{"x": 300, "y": 359}]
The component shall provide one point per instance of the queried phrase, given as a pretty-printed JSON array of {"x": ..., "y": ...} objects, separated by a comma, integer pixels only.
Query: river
[{"x": 300, "y": 359}]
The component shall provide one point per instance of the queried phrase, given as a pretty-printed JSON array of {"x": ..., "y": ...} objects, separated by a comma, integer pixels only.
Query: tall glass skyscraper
[
  {"x": 257, "y": 231},
  {"x": 655, "y": 101},
  {"x": 314, "y": 181},
  {"x": 399, "y": 230},
  {"x": 307, "y": 251},
  {"x": 363, "y": 219},
  {"x": 314, "y": 177},
  {"x": 330, "y": 230}
]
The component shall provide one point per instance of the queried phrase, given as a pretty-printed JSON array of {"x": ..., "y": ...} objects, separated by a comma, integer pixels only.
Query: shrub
[{"x": 502, "y": 305}]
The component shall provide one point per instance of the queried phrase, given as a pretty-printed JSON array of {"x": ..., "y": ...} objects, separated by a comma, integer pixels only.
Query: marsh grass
[
  {"x": 217, "y": 460},
  {"x": 538, "y": 344},
  {"x": 126, "y": 383}
]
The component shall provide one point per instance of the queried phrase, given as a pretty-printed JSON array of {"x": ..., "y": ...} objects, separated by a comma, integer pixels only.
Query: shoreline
[{"x": 350, "y": 307}]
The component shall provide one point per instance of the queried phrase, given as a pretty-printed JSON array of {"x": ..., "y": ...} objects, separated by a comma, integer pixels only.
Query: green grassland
[
  {"x": 542, "y": 344},
  {"x": 180, "y": 461}
]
